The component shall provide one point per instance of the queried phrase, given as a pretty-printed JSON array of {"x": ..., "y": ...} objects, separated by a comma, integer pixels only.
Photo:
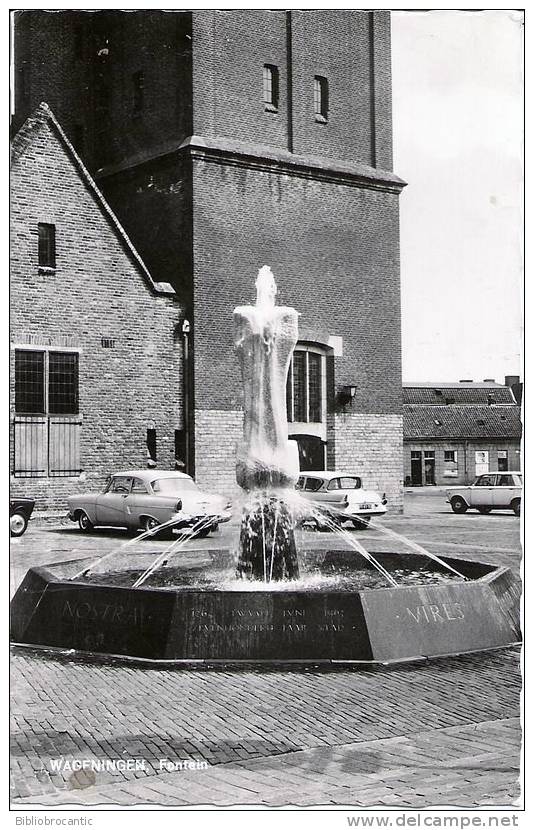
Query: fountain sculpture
[
  {"x": 335, "y": 605},
  {"x": 265, "y": 335}
]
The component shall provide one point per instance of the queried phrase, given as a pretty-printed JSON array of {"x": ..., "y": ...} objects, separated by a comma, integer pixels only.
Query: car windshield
[{"x": 170, "y": 486}]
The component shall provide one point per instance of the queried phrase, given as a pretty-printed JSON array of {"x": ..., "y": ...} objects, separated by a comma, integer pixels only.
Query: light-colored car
[
  {"x": 146, "y": 498},
  {"x": 490, "y": 491},
  {"x": 342, "y": 496}
]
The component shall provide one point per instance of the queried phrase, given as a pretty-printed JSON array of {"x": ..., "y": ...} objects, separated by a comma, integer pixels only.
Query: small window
[
  {"x": 47, "y": 245},
  {"x": 138, "y": 86},
  {"x": 151, "y": 446},
  {"x": 271, "y": 87},
  {"x": 320, "y": 98},
  {"x": 450, "y": 456},
  {"x": 502, "y": 460},
  {"x": 430, "y": 454},
  {"x": 334, "y": 484}
]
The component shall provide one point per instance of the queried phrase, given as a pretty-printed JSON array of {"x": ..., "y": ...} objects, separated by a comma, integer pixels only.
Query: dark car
[{"x": 20, "y": 511}]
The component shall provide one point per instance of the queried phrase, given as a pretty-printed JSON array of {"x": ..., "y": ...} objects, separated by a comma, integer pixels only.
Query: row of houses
[{"x": 456, "y": 431}]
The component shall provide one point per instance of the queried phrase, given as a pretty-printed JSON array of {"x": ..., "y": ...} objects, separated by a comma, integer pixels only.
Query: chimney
[
  {"x": 489, "y": 380},
  {"x": 511, "y": 380},
  {"x": 469, "y": 380}
]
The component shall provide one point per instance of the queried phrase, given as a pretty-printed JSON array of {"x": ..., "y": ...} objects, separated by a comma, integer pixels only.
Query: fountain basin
[{"x": 273, "y": 623}]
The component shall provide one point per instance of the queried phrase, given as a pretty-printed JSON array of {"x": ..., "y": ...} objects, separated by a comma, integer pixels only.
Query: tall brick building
[{"x": 227, "y": 140}]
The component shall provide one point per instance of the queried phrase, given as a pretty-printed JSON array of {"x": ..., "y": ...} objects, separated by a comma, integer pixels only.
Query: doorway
[
  {"x": 416, "y": 468},
  {"x": 430, "y": 467},
  {"x": 311, "y": 452}
]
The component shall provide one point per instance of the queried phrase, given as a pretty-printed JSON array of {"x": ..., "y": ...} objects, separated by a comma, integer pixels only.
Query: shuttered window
[{"x": 46, "y": 424}]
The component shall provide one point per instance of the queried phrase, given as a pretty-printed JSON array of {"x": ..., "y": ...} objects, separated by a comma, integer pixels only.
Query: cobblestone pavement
[{"x": 439, "y": 732}]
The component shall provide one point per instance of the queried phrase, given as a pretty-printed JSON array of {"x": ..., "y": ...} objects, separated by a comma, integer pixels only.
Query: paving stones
[{"x": 436, "y": 733}]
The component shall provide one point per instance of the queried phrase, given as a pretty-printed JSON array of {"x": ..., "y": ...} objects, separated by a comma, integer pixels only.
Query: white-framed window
[
  {"x": 450, "y": 463},
  {"x": 320, "y": 98},
  {"x": 271, "y": 87}
]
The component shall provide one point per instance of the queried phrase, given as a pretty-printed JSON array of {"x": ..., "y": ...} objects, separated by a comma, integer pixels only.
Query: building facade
[
  {"x": 229, "y": 140},
  {"x": 456, "y": 431},
  {"x": 96, "y": 363}
]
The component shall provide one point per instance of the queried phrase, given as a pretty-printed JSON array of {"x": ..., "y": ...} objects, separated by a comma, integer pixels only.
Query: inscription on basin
[{"x": 442, "y": 613}]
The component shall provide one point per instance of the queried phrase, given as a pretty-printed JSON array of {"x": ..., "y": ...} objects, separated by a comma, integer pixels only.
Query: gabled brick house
[{"x": 95, "y": 357}]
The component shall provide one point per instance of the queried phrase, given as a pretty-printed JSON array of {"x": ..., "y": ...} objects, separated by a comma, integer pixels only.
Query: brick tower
[{"x": 229, "y": 140}]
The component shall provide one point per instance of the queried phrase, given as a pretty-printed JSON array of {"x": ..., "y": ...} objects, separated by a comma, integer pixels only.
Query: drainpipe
[
  {"x": 186, "y": 328},
  {"x": 289, "y": 70}
]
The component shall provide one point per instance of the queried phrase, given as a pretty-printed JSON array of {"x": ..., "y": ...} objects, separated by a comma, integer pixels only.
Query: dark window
[
  {"x": 47, "y": 245},
  {"x": 271, "y": 86},
  {"x": 63, "y": 383},
  {"x": 502, "y": 460},
  {"x": 314, "y": 387},
  {"x": 300, "y": 403},
  {"x": 450, "y": 456},
  {"x": 320, "y": 98},
  {"x": 138, "y": 85},
  {"x": 151, "y": 445},
  {"x": 179, "y": 449},
  {"x": 29, "y": 382},
  {"x": 304, "y": 392}
]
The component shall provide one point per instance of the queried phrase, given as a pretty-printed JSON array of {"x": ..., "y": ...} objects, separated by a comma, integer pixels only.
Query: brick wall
[
  {"x": 217, "y": 433},
  {"x": 370, "y": 445},
  {"x": 334, "y": 253},
  {"x": 96, "y": 291},
  {"x": 202, "y": 74}
]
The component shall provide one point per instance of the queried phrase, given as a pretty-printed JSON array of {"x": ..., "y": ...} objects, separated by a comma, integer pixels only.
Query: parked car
[
  {"x": 143, "y": 499},
  {"x": 20, "y": 511},
  {"x": 341, "y": 496},
  {"x": 490, "y": 491}
]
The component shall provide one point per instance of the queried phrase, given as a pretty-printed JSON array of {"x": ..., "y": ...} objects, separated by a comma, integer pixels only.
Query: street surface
[{"x": 440, "y": 732}]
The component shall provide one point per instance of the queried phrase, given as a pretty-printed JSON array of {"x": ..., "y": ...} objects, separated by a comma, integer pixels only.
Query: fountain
[
  {"x": 265, "y": 335},
  {"x": 279, "y": 596}
]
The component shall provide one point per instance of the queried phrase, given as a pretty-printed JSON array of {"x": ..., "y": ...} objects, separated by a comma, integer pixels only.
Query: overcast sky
[{"x": 457, "y": 110}]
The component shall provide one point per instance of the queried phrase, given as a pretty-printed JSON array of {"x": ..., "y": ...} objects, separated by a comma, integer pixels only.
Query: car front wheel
[
  {"x": 149, "y": 523},
  {"x": 84, "y": 522},
  {"x": 458, "y": 505},
  {"x": 516, "y": 506},
  {"x": 17, "y": 524}
]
